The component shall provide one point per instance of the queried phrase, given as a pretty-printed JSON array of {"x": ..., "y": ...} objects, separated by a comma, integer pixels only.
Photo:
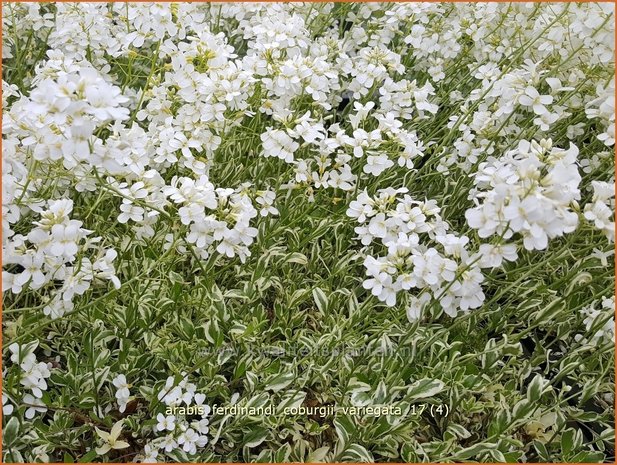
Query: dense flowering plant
[{"x": 290, "y": 205}]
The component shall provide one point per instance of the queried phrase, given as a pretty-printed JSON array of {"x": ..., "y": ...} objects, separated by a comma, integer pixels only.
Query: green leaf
[
  {"x": 88, "y": 457},
  {"x": 534, "y": 390},
  {"x": 10, "y": 431},
  {"x": 567, "y": 442},
  {"x": 541, "y": 450},
  {"x": 102, "y": 375},
  {"x": 318, "y": 455},
  {"x": 358, "y": 453},
  {"x": 360, "y": 399},
  {"x": 297, "y": 257},
  {"x": 457, "y": 431},
  {"x": 424, "y": 388},
  {"x": 236, "y": 294},
  {"x": 499, "y": 423},
  {"x": 522, "y": 409},
  {"x": 282, "y": 454},
  {"x": 497, "y": 456},
  {"x": 298, "y": 296},
  {"x": 255, "y": 437},
  {"x": 379, "y": 397},
  {"x": 473, "y": 451},
  {"x": 291, "y": 400},
  {"x": 320, "y": 299},
  {"x": 281, "y": 381},
  {"x": 588, "y": 457},
  {"x": 214, "y": 335},
  {"x": 408, "y": 454},
  {"x": 344, "y": 429}
]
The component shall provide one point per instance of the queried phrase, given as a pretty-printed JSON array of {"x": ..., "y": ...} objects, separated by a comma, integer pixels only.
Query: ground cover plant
[{"x": 404, "y": 209}]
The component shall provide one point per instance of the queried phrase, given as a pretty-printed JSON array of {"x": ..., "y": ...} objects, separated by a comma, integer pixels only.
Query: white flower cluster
[
  {"x": 292, "y": 67},
  {"x": 76, "y": 128},
  {"x": 600, "y": 321},
  {"x": 226, "y": 227},
  {"x": 20, "y": 20},
  {"x": 421, "y": 254},
  {"x": 528, "y": 191},
  {"x": 182, "y": 430},
  {"x": 506, "y": 97},
  {"x": 53, "y": 253},
  {"x": 33, "y": 377},
  {"x": 332, "y": 150},
  {"x": 68, "y": 102},
  {"x": 433, "y": 43},
  {"x": 601, "y": 210}
]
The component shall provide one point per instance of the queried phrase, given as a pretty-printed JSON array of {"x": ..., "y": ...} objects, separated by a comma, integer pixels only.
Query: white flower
[
  {"x": 11, "y": 282},
  {"x": 492, "y": 256},
  {"x": 378, "y": 226},
  {"x": 343, "y": 179},
  {"x": 123, "y": 394},
  {"x": 377, "y": 164},
  {"x": 483, "y": 219},
  {"x": 202, "y": 426},
  {"x": 182, "y": 143},
  {"x": 150, "y": 454},
  {"x": 130, "y": 212},
  {"x": 7, "y": 407},
  {"x": 360, "y": 208},
  {"x": 276, "y": 143},
  {"x": 165, "y": 422},
  {"x": 416, "y": 306},
  {"x": 602, "y": 256},
  {"x": 600, "y": 320},
  {"x": 532, "y": 98},
  {"x": 266, "y": 200},
  {"x": 188, "y": 440},
  {"x": 601, "y": 211},
  {"x": 168, "y": 443},
  {"x": 34, "y": 406},
  {"x": 64, "y": 239},
  {"x": 529, "y": 191},
  {"x": 32, "y": 273}
]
